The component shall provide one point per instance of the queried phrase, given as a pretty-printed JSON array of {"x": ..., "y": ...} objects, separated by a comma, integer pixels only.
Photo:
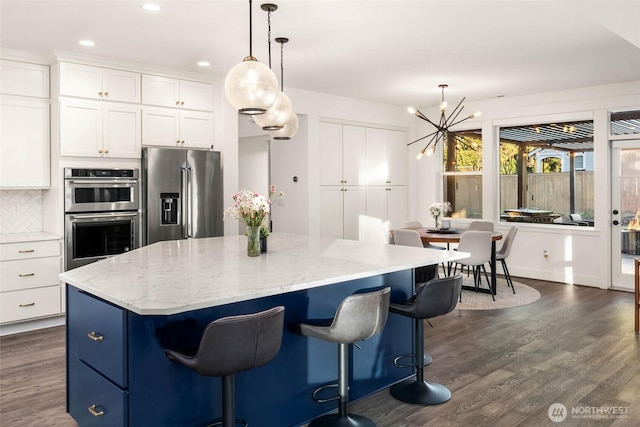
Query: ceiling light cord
[{"x": 250, "y": 31}]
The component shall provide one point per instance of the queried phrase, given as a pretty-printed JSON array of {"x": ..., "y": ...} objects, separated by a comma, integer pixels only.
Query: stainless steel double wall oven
[{"x": 102, "y": 214}]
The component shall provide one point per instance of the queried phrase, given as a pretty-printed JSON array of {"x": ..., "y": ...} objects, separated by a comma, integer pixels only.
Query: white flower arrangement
[
  {"x": 249, "y": 207},
  {"x": 438, "y": 209}
]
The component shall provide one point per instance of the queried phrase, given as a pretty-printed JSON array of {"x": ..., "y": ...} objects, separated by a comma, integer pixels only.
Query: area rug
[{"x": 505, "y": 297}]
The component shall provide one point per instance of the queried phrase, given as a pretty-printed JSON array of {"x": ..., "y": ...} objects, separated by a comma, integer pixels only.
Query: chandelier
[
  {"x": 251, "y": 87},
  {"x": 442, "y": 127}
]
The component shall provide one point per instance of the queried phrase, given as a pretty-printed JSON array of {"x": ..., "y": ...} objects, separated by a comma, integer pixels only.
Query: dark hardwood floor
[{"x": 575, "y": 346}]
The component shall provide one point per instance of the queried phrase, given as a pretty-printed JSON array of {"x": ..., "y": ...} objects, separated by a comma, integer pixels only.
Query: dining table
[{"x": 452, "y": 235}]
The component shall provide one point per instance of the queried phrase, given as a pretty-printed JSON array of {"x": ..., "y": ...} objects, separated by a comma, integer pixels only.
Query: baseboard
[{"x": 31, "y": 325}]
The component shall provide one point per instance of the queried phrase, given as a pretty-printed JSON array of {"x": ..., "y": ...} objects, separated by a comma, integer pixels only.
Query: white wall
[{"x": 574, "y": 255}]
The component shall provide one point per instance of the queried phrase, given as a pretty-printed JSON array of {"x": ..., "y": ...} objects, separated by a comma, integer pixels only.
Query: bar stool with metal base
[
  {"x": 231, "y": 345},
  {"x": 434, "y": 298},
  {"x": 359, "y": 316}
]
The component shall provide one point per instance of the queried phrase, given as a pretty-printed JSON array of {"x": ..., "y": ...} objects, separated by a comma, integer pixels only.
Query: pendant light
[
  {"x": 251, "y": 87},
  {"x": 280, "y": 112},
  {"x": 291, "y": 126},
  {"x": 442, "y": 127}
]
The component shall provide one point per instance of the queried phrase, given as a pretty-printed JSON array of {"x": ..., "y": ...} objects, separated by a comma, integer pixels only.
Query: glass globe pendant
[
  {"x": 289, "y": 129},
  {"x": 277, "y": 115},
  {"x": 251, "y": 87}
]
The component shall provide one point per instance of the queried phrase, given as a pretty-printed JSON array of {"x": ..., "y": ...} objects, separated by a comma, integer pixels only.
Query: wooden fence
[{"x": 547, "y": 191}]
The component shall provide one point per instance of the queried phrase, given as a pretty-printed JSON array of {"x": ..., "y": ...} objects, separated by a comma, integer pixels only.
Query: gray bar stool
[
  {"x": 359, "y": 316},
  {"x": 235, "y": 344},
  {"x": 434, "y": 298}
]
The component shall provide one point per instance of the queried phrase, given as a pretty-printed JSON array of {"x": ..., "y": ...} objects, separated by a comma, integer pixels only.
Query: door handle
[
  {"x": 615, "y": 222},
  {"x": 615, "y": 212}
]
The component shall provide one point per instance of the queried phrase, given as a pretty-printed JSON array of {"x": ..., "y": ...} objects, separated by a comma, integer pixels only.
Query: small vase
[
  {"x": 253, "y": 241},
  {"x": 263, "y": 245},
  {"x": 437, "y": 222}
]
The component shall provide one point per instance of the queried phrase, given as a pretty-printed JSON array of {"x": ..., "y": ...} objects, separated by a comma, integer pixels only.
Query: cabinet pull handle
[
  {"x": 26, "y": 251},
  {"x": 100, "y": 93},
  {"x": 26, "y": 274},
  {"x": 95, "y": 336},
  {"x": 181, "y": 102},
  {"x": 177, "y": 102},
  {"x": 106, "y": 151},
  {"x": 92, "y": 411},
  {"x": 100, "y": 151},
  {"x": 182, "y": 142},
  {"x": 177, "y": 141},
  {"x": 106, "y": 94},
  {"x": 30, "y": 304}
]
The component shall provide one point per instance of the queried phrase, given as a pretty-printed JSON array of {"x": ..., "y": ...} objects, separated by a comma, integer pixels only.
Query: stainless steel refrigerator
[{"x": 181, "y": 194}]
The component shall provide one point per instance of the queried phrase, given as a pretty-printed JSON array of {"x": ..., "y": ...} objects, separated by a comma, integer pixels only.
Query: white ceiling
[{"x": 395, "y": 52}]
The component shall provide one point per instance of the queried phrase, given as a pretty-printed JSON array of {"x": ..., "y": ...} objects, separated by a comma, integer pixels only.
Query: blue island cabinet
[{"x": 118, "y": 375}]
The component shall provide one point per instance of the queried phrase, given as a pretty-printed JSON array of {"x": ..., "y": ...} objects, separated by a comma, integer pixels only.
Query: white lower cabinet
[
  {"x": 177, "y": 128},
  {"x": 387, "y": 204},
  {"x": 29, "y": 284},
  {"x": 99, "y": 129},
  {"x": 341, "y": 208}
]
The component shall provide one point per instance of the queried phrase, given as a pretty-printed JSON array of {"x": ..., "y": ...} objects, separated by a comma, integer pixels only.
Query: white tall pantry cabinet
[{"x": 362, "y": 177}]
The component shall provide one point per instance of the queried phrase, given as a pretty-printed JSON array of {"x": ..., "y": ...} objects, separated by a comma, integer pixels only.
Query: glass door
[{"x": 625, "y": 204}]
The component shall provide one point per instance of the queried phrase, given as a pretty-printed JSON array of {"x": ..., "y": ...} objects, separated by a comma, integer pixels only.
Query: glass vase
[
  {"x": 436, "y": 220},
  {"x": 253, "y": 241}
]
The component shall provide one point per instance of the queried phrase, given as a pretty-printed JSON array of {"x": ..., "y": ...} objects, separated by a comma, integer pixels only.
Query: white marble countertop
[
  {"x": 177, "y": 276},
  {"x": 34, "y": 236}
]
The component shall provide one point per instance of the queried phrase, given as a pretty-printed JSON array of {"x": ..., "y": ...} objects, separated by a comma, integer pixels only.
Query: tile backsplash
[{"x": 20, "y": 211}]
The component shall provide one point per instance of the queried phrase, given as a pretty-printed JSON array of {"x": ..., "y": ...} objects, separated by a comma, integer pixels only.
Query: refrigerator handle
[
  {"x": 185, "y": 215},
  {"x": 189, "y": 204}
]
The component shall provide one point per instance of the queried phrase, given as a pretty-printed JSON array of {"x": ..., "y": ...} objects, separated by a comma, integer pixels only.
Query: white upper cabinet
[
  {"x": 86, "y": 81},
  {"x": 24, "y": 142},
  {"x": 168, "y": 92},
  {"x": 24, "y": 125},
  {"x": 344, "y": 154},
  {"x": 99, "y": 129},
  {"x": 176, "y": 128},
  {"x": 385, "y": 158},
  {"x": 24, "y": 79}
]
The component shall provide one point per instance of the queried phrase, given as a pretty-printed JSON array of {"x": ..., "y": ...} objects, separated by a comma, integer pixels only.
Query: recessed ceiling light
[
  {"x": 151, "y": 7},
  {"x": 204, "y": 63},
  {"x": 87, "y": 42}
]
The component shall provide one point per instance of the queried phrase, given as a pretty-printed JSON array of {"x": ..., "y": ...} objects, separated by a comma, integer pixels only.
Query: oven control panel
[{"x": 101, "y": 173}]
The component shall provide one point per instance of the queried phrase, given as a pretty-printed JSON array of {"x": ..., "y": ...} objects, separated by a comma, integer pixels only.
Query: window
[
  {"x": 625, "y": 123},
  {"x": 462, "y": 180},
  {"x": 546, "y": 173}
]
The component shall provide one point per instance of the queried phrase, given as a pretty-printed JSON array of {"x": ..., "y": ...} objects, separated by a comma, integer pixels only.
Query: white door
[
  {"x": 196, "y": 129},
  {"x": 625, "y": 215},
  {"x": 331, "y": 211},
  {"x": 121, "y": 130},
  {"x": 354, "y": 206},
  {"x": 80, "y": 128},
  {"x": 161, "y": 126}
]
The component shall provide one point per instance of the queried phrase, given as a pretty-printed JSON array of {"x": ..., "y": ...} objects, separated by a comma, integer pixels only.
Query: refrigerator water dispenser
[{"x": 169, "y": 206}]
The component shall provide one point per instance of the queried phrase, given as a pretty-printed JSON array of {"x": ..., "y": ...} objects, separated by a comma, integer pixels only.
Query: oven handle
[
  {"x": 103, "y": 182},
  {"x": 111, "y": 215}
]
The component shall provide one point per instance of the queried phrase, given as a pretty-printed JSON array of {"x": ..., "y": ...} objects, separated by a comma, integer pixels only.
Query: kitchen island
[{"x": 123, "y": 311}]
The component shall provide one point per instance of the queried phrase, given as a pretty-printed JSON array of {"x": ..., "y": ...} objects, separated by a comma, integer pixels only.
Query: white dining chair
[
  {"x": 418, "y": 224},
  {"x": 481, "y": 226},
  {"x": 412, "y": 238},
  {"x": 478, "y": 244},
  {"x": 503, "y": 253}
]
